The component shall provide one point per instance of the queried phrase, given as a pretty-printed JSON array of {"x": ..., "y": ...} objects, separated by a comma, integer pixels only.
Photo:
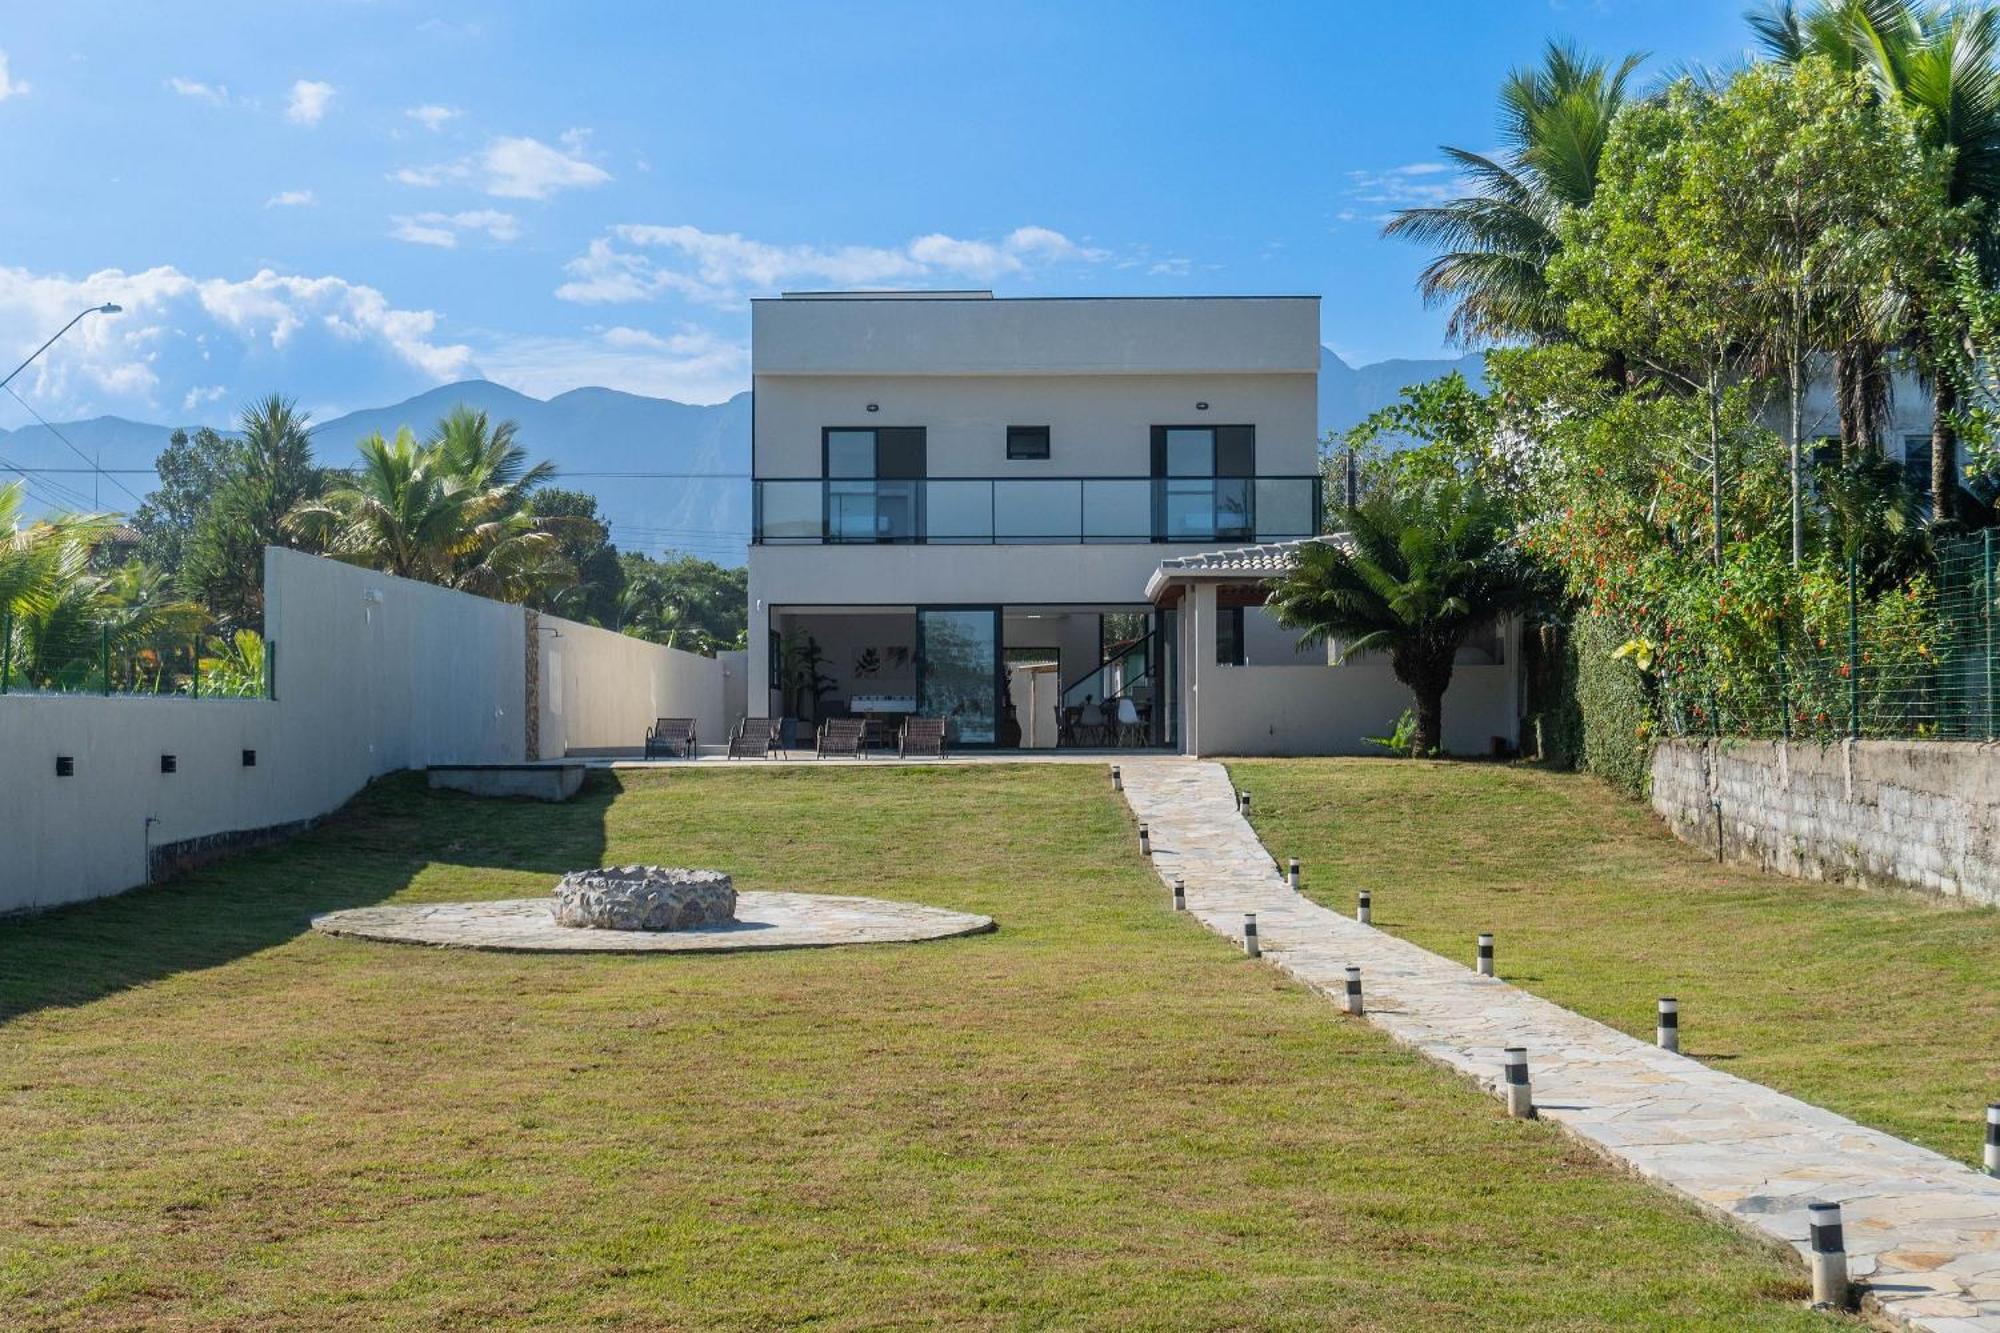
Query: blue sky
[{"x": 350, "y": 202}]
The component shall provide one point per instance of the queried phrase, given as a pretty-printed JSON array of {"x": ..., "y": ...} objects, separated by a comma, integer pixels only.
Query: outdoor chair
[
  {"x": 672, "y": 736},
  {"x": 878, "y": 734},
  {"x": 922, "y": 736},
  {"x": 841, "y": 735},
  {"x": 754, "y": 738},
  {"x": 1131, "y": 726}
]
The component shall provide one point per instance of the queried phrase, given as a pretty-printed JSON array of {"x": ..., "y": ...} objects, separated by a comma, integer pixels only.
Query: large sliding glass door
[{"x": 958, "y": 676}]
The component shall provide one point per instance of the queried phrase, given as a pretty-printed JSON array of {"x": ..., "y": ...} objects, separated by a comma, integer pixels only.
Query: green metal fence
[
  {"x": 213, "y": 664},
  {"x": 1930, "y": 671}
]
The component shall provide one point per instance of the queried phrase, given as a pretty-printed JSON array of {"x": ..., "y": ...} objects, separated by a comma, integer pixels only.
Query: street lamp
[{"x": 106, "y": 309}]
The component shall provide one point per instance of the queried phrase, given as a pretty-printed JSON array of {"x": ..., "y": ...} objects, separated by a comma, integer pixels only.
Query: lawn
[
  {"x": 1883, "y": 1006},
  {"x": 1098, "y": 1116}
]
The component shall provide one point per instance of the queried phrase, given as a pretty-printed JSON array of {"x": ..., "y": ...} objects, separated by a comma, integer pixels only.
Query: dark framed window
[
  {"x": 874, "y": 490},
  {"x": 1229, "y": 636},
  {"x": 1203, "y": 478},
  {"x": 1027, "y": 442}
]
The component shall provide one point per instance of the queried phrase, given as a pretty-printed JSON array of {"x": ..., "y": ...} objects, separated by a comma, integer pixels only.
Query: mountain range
[{"x": 694, "y": 497}]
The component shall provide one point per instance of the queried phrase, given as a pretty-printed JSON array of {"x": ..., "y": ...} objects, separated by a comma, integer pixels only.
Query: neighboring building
[{"x": 995, "y": 510}]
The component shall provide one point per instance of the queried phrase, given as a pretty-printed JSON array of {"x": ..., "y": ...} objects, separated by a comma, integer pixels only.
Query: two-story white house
[{"x": 1011, "y": 513}]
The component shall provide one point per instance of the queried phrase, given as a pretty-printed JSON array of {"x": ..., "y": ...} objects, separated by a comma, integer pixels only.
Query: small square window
[{"x": 1027, "y": 442}]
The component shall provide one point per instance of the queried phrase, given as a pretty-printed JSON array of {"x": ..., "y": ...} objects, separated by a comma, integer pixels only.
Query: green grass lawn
[
  {"x": 1099, "y": 1116},
  {"x": 1884, "y": 1006}
]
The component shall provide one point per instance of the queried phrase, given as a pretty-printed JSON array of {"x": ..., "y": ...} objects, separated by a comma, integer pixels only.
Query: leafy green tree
[
  {"x": 1416, "y": 572},
  {"x": 452, "y": 511},
  {"x": 271, "y": 474},
  {"x": 585, "y": 546},
  {"x": 192, "y": 469},
  {"x": 1496, "y": 243},
  {"x": 1941, "y": 63},
  {"x": 705, "y": 605}
]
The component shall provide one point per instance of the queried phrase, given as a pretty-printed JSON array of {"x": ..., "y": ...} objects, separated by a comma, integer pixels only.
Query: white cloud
[
  {"x": 214, "y": 94},
  {"x": 199, "y": 396},
  {"x": 9, "y": 85},
  {"x": 638, "y": 261},
  {"x": 178, "y": 330},
  {"x": 693, "y": 365},
  {"x": 291, "y": 199},
  {"x": 442, "y": 229},
  {"x": 515, "y": 168},
  {"x": 1412, "y": 185},
  {"x": 310, "y": 100},
  {"x": 432, "y": 116}
]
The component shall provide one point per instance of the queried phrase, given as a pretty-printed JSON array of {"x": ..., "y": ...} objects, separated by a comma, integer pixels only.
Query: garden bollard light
[
  {"x": 1180, "y": 894},
  {"x": 1292, "y": 874},
  {"x": 1362, "y": 913},
  {"x": 1993, "y": 1139},
  {"x": 1514, "y": 1073},
  {"x": 1485, "y": 954},
  {"x": 1250, "y": 935},
  {"x": 1668, "y": 1030},
  {"x": 1242, "y": 802},
  {"x": 1145, "y": 841},
  {"x": 1353, "y": 989},
  {"x": 1117, "y": 779},
  {"x": 1829, "y": 1255}
]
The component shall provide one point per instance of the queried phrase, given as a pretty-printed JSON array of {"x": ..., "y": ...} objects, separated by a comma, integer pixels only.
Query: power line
[
  {"x": 50, "y": 427},
  {"x": 80, "y": 500}
]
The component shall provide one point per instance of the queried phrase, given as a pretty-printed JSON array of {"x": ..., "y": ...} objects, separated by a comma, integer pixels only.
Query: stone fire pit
[{"x": 644, "y": 898}]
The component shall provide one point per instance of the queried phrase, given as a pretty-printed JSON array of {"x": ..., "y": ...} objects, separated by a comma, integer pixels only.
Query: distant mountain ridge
[{"x": 592, "y": 431}]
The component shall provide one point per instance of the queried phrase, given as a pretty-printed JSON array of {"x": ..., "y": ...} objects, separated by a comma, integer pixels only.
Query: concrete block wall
[
  {"x": 373, "y": 674},
  {"x": 1919, "y": 814}
]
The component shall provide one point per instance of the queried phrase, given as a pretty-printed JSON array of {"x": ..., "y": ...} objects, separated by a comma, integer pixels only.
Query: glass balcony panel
[
  {"x": 1189, "y": 508},
  {"x": 1118, "y": 510},
  {"x": 959, "y": 511},
  {"x": 1232, "y": 509},
  {"x": 850, "y": 511},
  {"x": 1285, "y": 508},
  {"x": 1038, "y": 511},
  {"x": 790, "y": 511},
  {"x": 899, "y": 511}
]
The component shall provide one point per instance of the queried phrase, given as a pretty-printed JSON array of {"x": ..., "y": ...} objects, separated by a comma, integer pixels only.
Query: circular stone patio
[{"x": 763, "y": 921}]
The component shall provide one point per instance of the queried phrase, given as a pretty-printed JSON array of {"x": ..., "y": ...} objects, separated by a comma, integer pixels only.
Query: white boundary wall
[
  {"x": 601, "y": 690},
  {"x": 374, "y": 674}
]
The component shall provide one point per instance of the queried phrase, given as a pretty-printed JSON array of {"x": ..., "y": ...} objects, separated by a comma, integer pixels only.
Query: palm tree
[
  {"x": 269, "y": 474},
  {"x": 1417, "y": 571},
  {"x": 1495, "y": 244},
  {"x": 1939, "y": 62},
  {"x": 451, "y": 511}
]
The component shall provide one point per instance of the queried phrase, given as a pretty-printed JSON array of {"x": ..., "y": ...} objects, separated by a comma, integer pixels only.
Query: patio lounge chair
[
  {"x": 754, "y": 738},
  {"x": 922, "y": 736},
  {"x": 841, "y": 735},
  {"x": 672, "y": 736}
]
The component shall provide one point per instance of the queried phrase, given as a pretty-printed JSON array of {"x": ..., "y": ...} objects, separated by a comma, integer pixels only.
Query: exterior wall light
[
  {"x": 1201, "y": 407},
  {"x": 169, "y": 764},
  {"x": 65, "y": 766},
  {"x": 249, "y": 759},
  {"x": 874, "y": 407}
]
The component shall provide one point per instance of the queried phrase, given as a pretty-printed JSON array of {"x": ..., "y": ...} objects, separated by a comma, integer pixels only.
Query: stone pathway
[
  {"x": 1923, "y": 1232},
  {"x": 763, "y": 921}
]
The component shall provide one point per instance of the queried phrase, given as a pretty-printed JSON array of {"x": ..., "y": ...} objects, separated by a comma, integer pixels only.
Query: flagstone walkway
[{"x": 1923, "y": 1231}]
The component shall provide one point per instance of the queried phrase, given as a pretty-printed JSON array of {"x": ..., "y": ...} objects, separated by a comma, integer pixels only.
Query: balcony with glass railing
[{"x": 984, "y": 511}]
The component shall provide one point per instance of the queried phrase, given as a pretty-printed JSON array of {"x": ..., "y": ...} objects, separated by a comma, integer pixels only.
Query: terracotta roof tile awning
[{"x": 1243, "y": 571}]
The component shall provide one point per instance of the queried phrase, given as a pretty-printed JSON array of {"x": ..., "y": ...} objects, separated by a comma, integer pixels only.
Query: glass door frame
[{"x": 998, "y": 667}]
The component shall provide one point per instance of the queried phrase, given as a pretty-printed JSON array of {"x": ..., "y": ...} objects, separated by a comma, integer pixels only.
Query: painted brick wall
[{"x": 1912, "y": 813}]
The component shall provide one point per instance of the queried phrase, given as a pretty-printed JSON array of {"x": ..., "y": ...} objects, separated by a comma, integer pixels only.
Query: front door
[{"x": 958, "y": 672}]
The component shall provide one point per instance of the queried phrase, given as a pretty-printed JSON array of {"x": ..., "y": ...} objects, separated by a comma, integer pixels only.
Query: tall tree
[
  {"x": 1942, "y": 63},
  {"x": 271, "y": 474},
  {"x": 585, "y": 546},
  {"x": 1641, "y": 277},
  {"x": 1417, "y": 570},
  {"x": 452, "y": 511},
  {"x": 1495, "y": 244},
  {"x": 192, "y": 468}
]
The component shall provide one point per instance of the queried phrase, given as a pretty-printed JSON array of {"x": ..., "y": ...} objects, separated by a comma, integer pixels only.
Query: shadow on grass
[{"x": 367, "y": 852}]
